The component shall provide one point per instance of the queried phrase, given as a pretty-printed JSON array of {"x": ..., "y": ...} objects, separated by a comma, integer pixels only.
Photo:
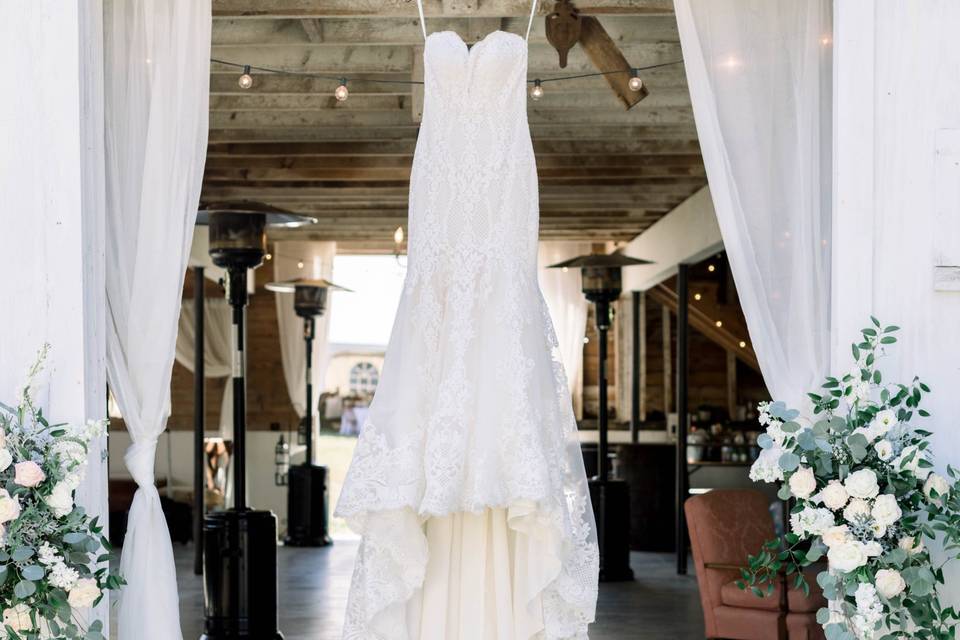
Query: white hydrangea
[
  {"x": 811, "y": 521},
  {"x": 47, "y": 554},
  {"x": 62, "y": 576},
  {"x": 766, "y": 468},
  {"x": 869, "y": 611}
]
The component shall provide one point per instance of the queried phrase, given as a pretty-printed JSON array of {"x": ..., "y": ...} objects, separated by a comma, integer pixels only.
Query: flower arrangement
[
  {"x": 54, "y": 562},
  {"x": 866, "y": 498}
]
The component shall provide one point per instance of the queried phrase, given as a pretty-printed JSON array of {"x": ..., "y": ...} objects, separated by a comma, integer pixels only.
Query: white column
[
  {"x": 896, "y": 197},
  {"x": 52, "y": 193}
]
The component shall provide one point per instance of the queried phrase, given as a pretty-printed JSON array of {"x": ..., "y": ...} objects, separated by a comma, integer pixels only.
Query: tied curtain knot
[{"x": 140, "y": 461}]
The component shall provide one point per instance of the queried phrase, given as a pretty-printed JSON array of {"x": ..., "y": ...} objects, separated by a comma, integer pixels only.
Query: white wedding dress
[{"x": 467, "y": 484}]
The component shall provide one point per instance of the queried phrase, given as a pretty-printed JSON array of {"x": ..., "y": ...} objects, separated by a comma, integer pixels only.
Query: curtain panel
[
  {"x": 568, "y": 310},
  {"x": 156, "y": 72},
  {"x": 760, "y": 78},
  {"x": 217, "y": 351}
]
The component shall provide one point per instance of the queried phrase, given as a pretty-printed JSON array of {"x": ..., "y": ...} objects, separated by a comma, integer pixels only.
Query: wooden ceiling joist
[{"x": 605, "y": 175}]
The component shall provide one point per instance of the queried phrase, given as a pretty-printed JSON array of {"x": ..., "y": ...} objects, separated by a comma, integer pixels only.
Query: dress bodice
[{"x": 473, "y": 196}]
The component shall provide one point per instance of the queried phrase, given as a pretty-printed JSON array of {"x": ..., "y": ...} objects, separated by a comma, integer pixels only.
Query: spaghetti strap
[
  {"x": 423, "y": 23},
  {"x": 533, "y": 12}
]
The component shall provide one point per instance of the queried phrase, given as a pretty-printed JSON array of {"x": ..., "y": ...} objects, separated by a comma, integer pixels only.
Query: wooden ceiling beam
[
  {"x": 433, "y": 8},
  {"x": 395, "y": 118},
  {"x": 542, "y": 148},
  {"x": 349, "y": 59},
  {"x": 676, "y": 97},
  {"x": 406, "y": 31}
]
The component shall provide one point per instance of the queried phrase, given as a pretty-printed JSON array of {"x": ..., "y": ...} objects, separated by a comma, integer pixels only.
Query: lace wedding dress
[{"x": 467, "y": 484}]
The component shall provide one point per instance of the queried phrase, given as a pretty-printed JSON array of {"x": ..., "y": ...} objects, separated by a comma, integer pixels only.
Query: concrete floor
[{"x": 314, "y": 582}]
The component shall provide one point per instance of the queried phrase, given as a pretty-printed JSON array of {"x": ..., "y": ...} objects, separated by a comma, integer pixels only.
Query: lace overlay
[{"x": 472, "y": 411}]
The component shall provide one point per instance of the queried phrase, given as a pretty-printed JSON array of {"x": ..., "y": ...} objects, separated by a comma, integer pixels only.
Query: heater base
[
  {"x": 611, "y": 508},
  {"x": 307, "y": 515},
  {"x": 240, "y": 576}
]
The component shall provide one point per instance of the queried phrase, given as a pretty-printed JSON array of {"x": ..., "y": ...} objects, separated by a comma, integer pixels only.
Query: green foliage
[{"x": 850, "y": 431}]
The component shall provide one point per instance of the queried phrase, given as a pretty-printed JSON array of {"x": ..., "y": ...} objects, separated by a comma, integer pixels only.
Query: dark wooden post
[
  {"x": 635, "y": 369},
  {"x": 199, "y": 418},
  {"x": 683, "y": 329}
]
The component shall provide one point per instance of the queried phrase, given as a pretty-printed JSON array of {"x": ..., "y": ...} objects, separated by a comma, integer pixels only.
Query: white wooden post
[{"x": 51, "y": 199}]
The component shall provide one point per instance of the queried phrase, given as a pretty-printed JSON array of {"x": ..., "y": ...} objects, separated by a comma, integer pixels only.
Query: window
[{"x": 364, "y": 378}]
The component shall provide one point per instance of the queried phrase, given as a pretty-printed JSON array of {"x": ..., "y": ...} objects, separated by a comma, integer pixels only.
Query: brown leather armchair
[{"x": 726, "y": 526}]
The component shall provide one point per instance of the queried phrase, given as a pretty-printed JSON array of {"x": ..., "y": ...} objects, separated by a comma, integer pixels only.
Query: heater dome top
[
  {"x": 289, "y": 286},
  {"x": 615, "y": 259},
  {"x": 273, "y": 216}
]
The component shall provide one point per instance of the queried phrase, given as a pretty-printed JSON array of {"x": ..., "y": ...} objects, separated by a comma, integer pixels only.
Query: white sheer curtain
[
  {"x": 316, "y": 259},
  {"x": 217, "y": 351},
  {"x": 568, "y": 310},
  {"x": 760, "y": 77},
  {"x": 156, "y": 71}
]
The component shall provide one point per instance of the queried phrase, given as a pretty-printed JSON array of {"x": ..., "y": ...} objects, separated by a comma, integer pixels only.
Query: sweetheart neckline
[{"x": 481, "y": 40}]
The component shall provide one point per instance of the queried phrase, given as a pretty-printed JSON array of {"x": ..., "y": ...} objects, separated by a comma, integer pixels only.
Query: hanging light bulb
[
  {"x": 300, "y": 265},
  {"x": 537, "y": 92},
  {"x": 246, "y": 80},
  {"x": 398, "y": 236},
  {"x": 341, "y": 93},
  {"x": 635, "y": 83}
]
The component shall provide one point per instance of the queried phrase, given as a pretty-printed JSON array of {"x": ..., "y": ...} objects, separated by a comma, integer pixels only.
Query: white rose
[
  {"x": 9, "y": 507},
  {"x": 846, "y": 557},
  {"x": 862, "y": 484},
  {"x": 873, "y": 549},
  {"x": 885, "y": 510},
  {"x": 856, "y": 509},
  {"x": 834, "y": 495},
  {"x": 836, "y": 535},
  {"x": 811, "y": 521},
  {"x": 18, "y": 618},
  {"x": 803, "y": 482},
  {"x": 884, "y": 450},
  {"x": 83, "y": 593},
  {"x": 890, "y": 583},
  {"x": 60, "y": 499},
  {"x": 5, "y": 459},
  {"x": 938, "y": 483},
  {"x": 910, "y": 545}
]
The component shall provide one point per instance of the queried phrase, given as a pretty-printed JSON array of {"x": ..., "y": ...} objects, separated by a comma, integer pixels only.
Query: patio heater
[
  {"x": 240, "y": 544},
  {"x": 307, "y": 513},
  {"x": 601, "y": 284}
]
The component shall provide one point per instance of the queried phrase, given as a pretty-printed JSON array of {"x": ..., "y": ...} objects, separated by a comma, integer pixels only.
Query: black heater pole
[
  {"x": 308, "y": 331},
  {"x": 238, "y": 299},
  {"x": 635, "y": 368},
  {"x": 603, "y": 323},
  {"x": 683, "y": 478},
  {"x": 199, "y": 409}
]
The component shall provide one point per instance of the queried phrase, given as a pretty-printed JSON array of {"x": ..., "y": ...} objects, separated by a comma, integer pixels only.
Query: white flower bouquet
[
  {"x": 866, "y": 498},
  {"x": 54, "y": 562}
]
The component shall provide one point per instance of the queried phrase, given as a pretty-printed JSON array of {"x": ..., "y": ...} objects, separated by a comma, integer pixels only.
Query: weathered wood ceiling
[{"x": 605, "y": 173}]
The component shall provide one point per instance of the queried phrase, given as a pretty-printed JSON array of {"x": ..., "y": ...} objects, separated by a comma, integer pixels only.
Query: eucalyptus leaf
[
  {"x": 32, "y": 572},
  {"x": 789, "y": 461},
  {"x": 24, "y": 589},
  {"x": 21, "y": 554}
]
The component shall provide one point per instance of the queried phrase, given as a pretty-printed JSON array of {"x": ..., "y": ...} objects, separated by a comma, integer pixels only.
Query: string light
[
  {"x": 635, "y": 83},
  {"x": 743, "y": 344},
  {"x": 537, "y": 92},
  {"x": 246, "y": 80},
  {"x": 719, "y": 323},
  {"x": 341, "y": 93},
  {"x": 697, "y": 296},
  {"x": 300, "y": 265},
  {"x": 269, "y": 256},
  {"x": 398, "y": 236},
  {"x": 711, "y": 268}
]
